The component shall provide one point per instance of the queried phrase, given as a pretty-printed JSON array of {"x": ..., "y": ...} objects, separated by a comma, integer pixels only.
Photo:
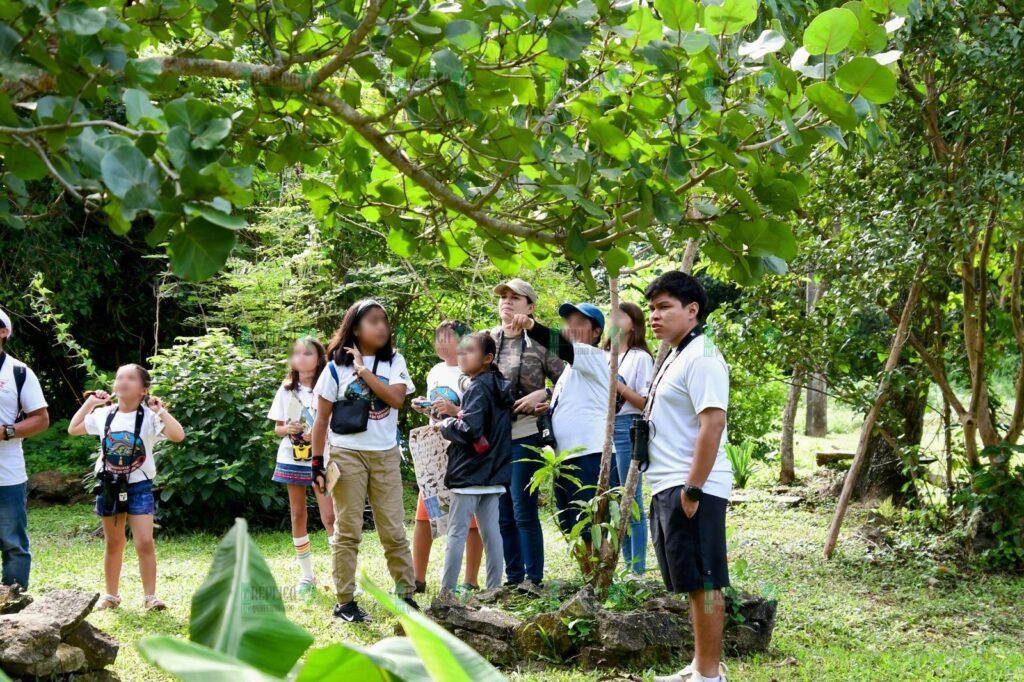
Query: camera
[
  {"x": 640, "y": 434},
  {"x": 546, "y": 431}
]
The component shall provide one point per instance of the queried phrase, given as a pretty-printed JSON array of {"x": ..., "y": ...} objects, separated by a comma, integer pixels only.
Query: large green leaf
[
  {"x": 392, "y": 659},
  {"x": 567, "y": 37},
  {"x": 126, "y": 167},
  {"x": 769, "y": 41},
  {"x": 137, "y": 106},
  {"x": 832, "y": 103},
  {"x": 831, "y": 31},
  {"x": 196, "y": 663},
  {"x": 237, "y": 610},
  {"x": 730, "y": 16},
  {"x": 77, "y": 17},
  {"x": 866, "y": 77},
  {"x": 678, "y": 15},
  {"x": 610, "y": 139},
  {"x": 445, "y": 656}
]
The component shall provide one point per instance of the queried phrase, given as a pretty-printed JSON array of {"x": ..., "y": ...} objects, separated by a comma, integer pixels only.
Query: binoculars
[
  {"x": 640, "y": 434},
  {"x": 114, "y": 488},
  {"x": 546, "y": 431}
]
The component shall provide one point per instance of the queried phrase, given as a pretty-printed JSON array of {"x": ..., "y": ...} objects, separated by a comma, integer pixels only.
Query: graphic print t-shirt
[
  {"x": 445, "y": 381},
  {"x": 382, "y": 428},
  {"x": 293, "y": 406},
  {"x": 121, "y": 443}
]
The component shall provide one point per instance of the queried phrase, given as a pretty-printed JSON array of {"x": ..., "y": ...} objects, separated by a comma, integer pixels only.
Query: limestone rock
[
  {"x": 26, "y": 639},
  {"x": 485, "y": 620},
  {"x": 65, "y": 608},
  {"x": 583, "y": 604},
  {"x": 65, "y": 659},
  {"x": 99, "y": 647},
  {"x": 544, "y": 634},
  {"x": 496, "y": 651},
  {"x": 54, "y": 486}
]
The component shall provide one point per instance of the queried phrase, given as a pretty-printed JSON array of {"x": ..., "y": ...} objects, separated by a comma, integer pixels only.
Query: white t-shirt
[
  {"x": 582, "y": 401},
  {"x": 446, "y": 381},
  {"x": 12, "y": 457},
  {"x": 635, "y": 367},
  {"x": 293, "y": 406},
  {"x": 691, "y": 382},
  {"x": 122, "y": 438},
  {"x": 382, "y": 428}
]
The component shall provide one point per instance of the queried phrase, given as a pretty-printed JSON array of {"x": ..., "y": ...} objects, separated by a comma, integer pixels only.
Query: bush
[
  {"x": 55, "y": 450},
  {"x": 223, "y": 467},
  {"x": 755, "y": 408}
]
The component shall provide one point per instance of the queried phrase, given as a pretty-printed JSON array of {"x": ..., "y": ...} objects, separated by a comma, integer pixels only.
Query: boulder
[
  {"x": 54, "y": 486},
  {"x": 638, "y": 631},
  {"x": 669, "y": 604},
  {"x": 65, "y": 608},
  {"x": 496, "y": 651},
  {"x": 12, "y": 599},
  {"x": 99, "y": 647},
  {"x": 583, "y": 604},
  {"x": 64, "y": 660},
  {"x": 484, "y": 620},
  {"x": 26, "y": 639},
  {"x": 544, "y": 634},
  {"x": 754, "y": 633}
]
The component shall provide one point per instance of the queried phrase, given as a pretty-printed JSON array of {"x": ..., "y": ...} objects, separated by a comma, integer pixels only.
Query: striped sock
[{"x": 305, "y": 556}]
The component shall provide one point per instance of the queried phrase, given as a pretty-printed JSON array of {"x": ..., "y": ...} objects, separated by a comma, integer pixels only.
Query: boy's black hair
[{"x": 683, "y": 287}]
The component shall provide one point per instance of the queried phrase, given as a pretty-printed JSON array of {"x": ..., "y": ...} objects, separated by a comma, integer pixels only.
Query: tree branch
[{"x": 352, "y": 45}]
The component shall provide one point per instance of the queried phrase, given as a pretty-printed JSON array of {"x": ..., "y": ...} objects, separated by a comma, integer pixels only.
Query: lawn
[{"x": 876, "y": 611}]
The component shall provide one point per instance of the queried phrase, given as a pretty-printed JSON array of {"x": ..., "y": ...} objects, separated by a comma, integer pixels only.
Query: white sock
[{"x": 305, "y": 556}]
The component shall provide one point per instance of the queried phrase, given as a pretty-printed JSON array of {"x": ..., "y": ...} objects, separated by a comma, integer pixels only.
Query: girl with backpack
[
  {"x": 359, "y": 395},
  {"x": 479, "y": 458},
  {"x": 125, "y": 470},
  {"x": 294, "y": 412}
]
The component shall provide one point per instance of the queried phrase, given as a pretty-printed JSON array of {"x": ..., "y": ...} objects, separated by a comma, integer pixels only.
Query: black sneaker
[
  {"x": 421, "y": 587},
  {"x": 411, "y": 602},
  {"x": 351, "y": 613}
]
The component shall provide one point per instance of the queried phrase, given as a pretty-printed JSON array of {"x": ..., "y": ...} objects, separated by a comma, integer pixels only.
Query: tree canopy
[{"x": 524, "y": 129}]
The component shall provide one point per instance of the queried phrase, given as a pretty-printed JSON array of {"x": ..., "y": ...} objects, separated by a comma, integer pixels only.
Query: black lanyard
[
  {"x": 3, "y": 358},
  {"x": 687, "y": 340}
]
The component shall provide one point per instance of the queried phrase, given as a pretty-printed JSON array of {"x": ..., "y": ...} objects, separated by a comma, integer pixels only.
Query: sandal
[
  {"x": 107, "y": 601},
  {"x": 153, "y": 603}
]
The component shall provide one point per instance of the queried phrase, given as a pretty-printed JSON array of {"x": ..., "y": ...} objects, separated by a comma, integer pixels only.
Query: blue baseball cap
[{"x": 584, "y": 309}]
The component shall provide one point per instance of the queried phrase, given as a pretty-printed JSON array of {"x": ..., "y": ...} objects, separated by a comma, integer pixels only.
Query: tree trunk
[
  {"x": 817, "y": 399},
  {"x": 885, "y": 471},
  {"x": 787, "y": 474}
]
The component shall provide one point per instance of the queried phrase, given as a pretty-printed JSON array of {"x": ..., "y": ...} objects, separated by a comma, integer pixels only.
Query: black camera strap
[
  {"x": 687, "y": 340},
  {"x": 140, "y": 416},
  {"x": 518, "y": 365}
]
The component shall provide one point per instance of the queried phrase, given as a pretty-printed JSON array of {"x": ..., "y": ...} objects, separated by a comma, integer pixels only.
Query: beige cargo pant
[{"x": 374, "y": 474}]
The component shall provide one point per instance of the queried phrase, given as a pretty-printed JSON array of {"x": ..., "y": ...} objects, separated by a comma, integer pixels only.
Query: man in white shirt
[
  {"x": 22, "y": 414},
  {"x": 689, "y": 473}
]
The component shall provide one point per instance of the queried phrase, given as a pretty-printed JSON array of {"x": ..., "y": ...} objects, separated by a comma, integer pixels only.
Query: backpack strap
[{"x": 20, "y": 377}]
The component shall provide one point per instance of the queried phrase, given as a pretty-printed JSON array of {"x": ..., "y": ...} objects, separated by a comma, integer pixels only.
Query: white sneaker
[{"x": 689, "y": 674}]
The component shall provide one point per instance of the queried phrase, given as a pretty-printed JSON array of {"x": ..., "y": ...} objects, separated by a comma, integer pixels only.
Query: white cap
[{"x": 6, "y": 319}]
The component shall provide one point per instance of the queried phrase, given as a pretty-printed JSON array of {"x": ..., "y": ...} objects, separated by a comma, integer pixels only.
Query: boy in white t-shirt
[
  {"x": 125, "y": 469},
  {"x": 23, "y": 414},
  {"x": 445, "y": 385},
  {"x": 689, "y": 473}
]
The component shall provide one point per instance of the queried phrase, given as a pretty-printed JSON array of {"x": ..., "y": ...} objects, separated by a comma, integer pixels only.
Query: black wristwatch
[
  {"x": 693, "y": 493},
  {"x": 8, "y": 431}
]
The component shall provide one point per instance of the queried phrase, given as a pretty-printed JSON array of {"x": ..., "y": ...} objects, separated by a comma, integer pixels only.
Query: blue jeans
[
  {"x": 585, "y": 469},
  {"x": 519, "y": 518},
  {"x": 634, "y": 547},
  {"x": 17, "y": 561}
]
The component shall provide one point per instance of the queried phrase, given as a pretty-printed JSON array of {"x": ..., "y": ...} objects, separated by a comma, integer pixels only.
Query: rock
[
  {"x": 494, "y": 595},
  {"x": 485, "y": 620},
  {"x": 788, "y": 500},
  {"x": 99, "y": 647},
  {"x": 96, "y": 676},
  {"x": 496, "y": 651},
  {"x": 54, "y": 487},
  {"x": 583, "y": 604},
  {"x": 669, "y": 605},
  {"x": 65, "y": 608},
  {"x": 12, "y": 599},
  {"x": 66, "y": 659},
  {"x": 26, "y": 639},
  {"x": 754, "y": 633},
  {"x": 649, "y": 633},
  {"x": 544, "y": 634}
]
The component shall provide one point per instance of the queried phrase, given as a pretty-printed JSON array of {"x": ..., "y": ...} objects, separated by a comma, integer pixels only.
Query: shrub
[
  {"x": 55, "y": 450},
  {"x": 741, "y": 457},
  {"x": 223, "y": 467},
  {"x": 755, "y": 407}
]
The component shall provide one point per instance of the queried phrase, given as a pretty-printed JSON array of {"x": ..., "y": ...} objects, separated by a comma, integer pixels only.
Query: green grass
[{"x": 868, "y": 614}]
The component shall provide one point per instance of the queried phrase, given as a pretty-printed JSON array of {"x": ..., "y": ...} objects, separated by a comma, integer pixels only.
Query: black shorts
[{"x": 691, "y": 552}]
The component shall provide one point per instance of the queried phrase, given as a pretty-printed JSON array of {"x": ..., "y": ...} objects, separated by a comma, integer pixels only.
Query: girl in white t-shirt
[
  {"x": 635, "y": 367},
  {"x": 370, "y": 380},
  {"x": 294, "y": 412},
  {"x": 445, "y": 386},
  {"x": 128, "y": 431}
]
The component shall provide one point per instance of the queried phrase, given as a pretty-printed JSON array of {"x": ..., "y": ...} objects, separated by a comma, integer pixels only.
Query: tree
[{"x": 523, "y": 129}]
